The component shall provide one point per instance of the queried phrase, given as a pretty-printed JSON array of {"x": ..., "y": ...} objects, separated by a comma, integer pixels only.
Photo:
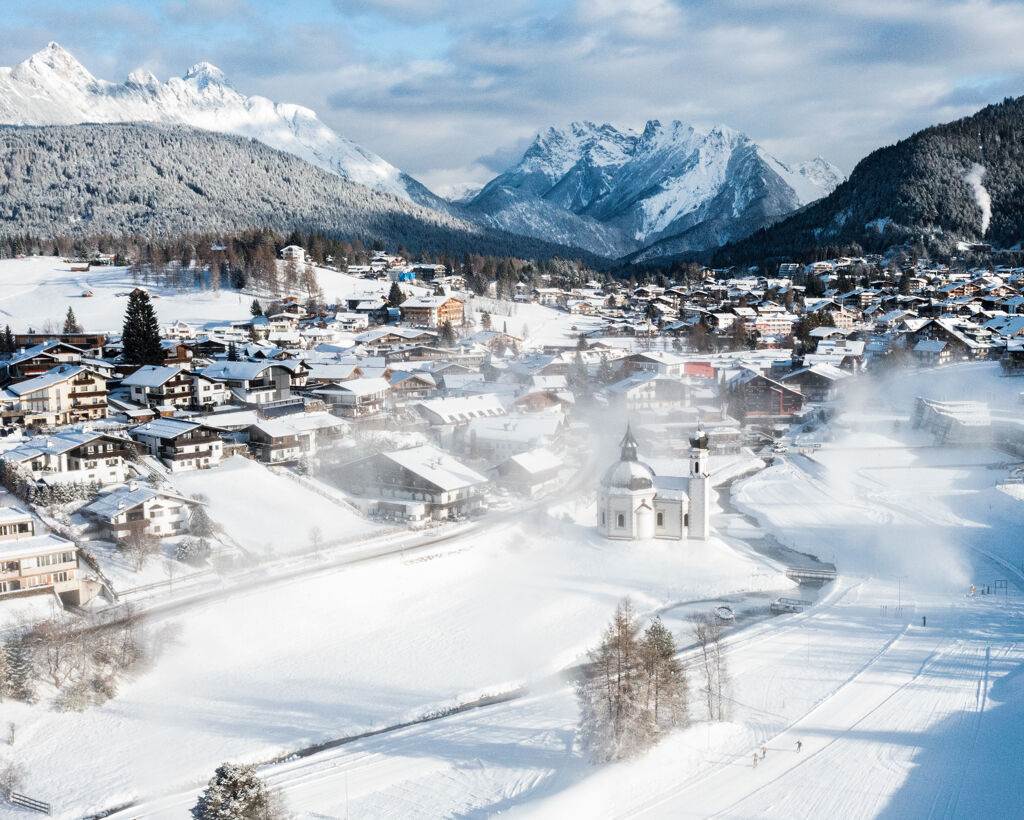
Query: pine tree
[
  {"x": 395, "y": 295},
  {"x": 446, "y": 335},
  {"x": 20, "y": 681},
  {"x": 71, "y": 323},
  {"x": 485, "y": 320},
  {"x": 665, "y": 678},
  {"x": 232, "y": 352},
  {"x": 7, "y": 342},
  {"x": 200, "y": 522},
  {"x": 236, "y": 792},
  {"x": 256, "y": 309},
  {"x": 141, "y": 332}
]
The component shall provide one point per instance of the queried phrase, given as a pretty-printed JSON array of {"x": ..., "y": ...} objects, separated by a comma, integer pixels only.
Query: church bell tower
[{"x": 699, "y": 487}]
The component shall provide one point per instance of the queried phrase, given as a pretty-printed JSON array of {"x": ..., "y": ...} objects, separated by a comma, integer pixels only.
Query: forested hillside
[
  {"x": 929, "y": 185},
  {"x": 86, "y": 180}
]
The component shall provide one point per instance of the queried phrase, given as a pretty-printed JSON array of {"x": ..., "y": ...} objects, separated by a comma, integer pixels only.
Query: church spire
[{"x": 629, "y": 446}]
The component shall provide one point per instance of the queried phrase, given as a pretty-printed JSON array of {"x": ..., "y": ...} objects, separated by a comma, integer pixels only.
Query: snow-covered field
[
  {"x": 267, "y": 672},
  {"x": 269, "y": 514},
  {"x": 32, "y": 286},
  {"x": 27, "y": 284}
]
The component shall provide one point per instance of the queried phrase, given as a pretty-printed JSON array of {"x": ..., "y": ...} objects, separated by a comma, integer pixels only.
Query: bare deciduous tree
[
  {"x": 139, "y": 546},
  {"x": 707, "y": 632}
]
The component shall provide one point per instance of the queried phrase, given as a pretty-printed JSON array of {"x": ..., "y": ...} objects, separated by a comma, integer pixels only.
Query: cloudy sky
[{"x": 451, "y": 90}]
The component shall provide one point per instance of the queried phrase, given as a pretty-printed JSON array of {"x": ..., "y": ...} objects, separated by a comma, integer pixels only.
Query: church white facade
[{"x": 633, "y": 503}]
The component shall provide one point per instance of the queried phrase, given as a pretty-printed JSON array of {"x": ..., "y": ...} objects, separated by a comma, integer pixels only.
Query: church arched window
[
  {"x": 661, "y": 519},
  {"x": 621, "y": 521},
  {"x": 602, "y": 519}
]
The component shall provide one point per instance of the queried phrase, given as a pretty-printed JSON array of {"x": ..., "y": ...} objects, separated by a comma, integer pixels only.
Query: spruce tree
[
  {"x": 71, "y": 323},
  {"x": 141, "y": 332},
  {"x": 256, "y": 309},
  {"x": 235, "y": 792},
  {"x": 447, "y": 334},
  {"x": 232, "y": 352},
  {"x": 7, "y": 343},
  {"x": 665, "y": 695},
  {"x": 395, "y": 295}
]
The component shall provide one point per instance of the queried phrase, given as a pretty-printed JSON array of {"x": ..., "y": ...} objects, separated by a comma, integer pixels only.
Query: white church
[{"x": 633, "y": 503}]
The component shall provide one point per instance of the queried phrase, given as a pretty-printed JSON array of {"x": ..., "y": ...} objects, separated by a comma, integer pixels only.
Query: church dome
[
  {"x": 699, "y": 439},
  {"x": 628, "y": 475}
]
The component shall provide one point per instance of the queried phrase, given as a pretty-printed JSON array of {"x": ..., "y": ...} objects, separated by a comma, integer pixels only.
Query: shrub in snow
[
  {"x": 194, "y": 551},
  {"x": 236, "y": 791},
  {"x": 81, "y": 658},
  {"x": 12, "y": 775}
]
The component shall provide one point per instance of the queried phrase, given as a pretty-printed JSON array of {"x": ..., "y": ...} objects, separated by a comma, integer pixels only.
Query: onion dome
[
  {"x": 628, "y": 475},
  {"x": 699, "y": 439}
]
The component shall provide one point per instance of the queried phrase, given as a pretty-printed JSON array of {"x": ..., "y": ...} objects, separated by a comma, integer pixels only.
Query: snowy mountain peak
[
  {"x": 205, "y": 74},
  {"x": 639, "y": 188},
  {"x": 52, "y": 88},
  {"x": 52, "y": 64},
  {"x": 144, "y": 79}
]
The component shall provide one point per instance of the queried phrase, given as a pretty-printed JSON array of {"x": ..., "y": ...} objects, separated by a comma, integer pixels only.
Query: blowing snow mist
[{"x": 974, "y": 178}]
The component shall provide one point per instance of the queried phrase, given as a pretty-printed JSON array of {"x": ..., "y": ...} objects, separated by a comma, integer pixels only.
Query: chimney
[{"x": 132, "y": 486}]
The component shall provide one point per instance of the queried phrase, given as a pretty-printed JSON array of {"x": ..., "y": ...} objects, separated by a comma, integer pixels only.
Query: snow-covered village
[{"x": 633, "y": 481}]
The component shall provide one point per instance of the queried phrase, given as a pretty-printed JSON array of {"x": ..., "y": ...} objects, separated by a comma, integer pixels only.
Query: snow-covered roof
[
  {"x": 49, "y": 378},
  {"x": 247, "y": 371},
  {"x": 110, "y": 504},
  {"x": 359, "y": 387},
  {"x": 536, "y": 461},
  {"x": 150, "y": 376},
  {"x": 402, "y": 332},
  {"x": 43, "y": 347},
  {"x": 298, "y": 423},
  {"x": 436, "y": 467},
  {"x": 54, "y": 444},
  {"x": 462, "y": 408},
  {"x": 428, "y": 301},
  {"x": 35, "y": 545},
  {"x": 523, "y": 428},
  {"x": 331, "y": 371},
  {"x": 164, "y": 428},
  {"x": 825, "y": 370}
]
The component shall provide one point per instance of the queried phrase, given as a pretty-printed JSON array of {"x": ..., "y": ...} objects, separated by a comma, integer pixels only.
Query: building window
[
  {"x": 661, "y": 519},
  {"x": 686, "y": 520},
  {"x": 602, "y": 519},
  {"x": 620, "y": 522}
]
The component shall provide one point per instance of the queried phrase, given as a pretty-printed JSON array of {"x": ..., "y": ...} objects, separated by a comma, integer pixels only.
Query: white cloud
[{"x": 802, "y": 77}]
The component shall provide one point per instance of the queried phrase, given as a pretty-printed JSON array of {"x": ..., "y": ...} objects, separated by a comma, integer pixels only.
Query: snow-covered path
[{"x": 923, "y": 696}]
